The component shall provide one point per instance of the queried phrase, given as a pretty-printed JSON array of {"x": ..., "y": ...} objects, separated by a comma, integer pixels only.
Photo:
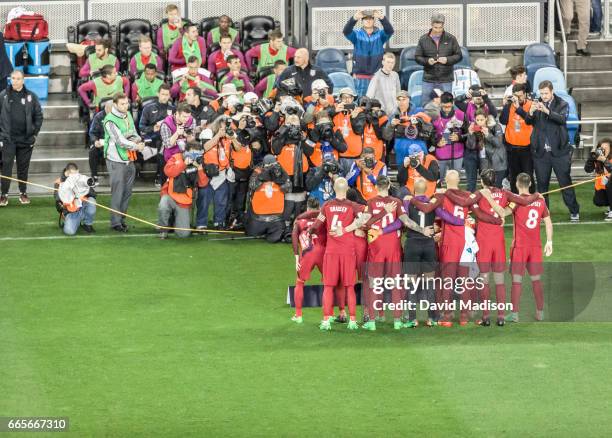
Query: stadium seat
[
  {"x": 552, "y": 74},
  {"x": 341, "y": 80},
  {"x": 129, "y": 52},
  {"x": 415, "y": 88},
  {"x": 129, "y": 33},
  {"x": 465, "y": 62},
  {"x": 573, "y": 116},
  {"x": 407, "y": 66},
  {"x": 207, "y": 24},
  {"x": 331, "y": 60},
  {"x": 464, "y": 78},
  {"x": 85, "y": 32},
  {"x": 536, "y": 56},
  {"x": 254, "y": 30}
]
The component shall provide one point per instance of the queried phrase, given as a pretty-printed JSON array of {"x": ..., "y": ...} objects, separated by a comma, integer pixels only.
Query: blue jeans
[
  {"x": 86, "y": 214},
  {"x": 471, "y": 164},
  {"x": 428, "y": 87},
  {"x": 596, "y": 16},
  {"x": 361, "y": 86},
  {"x": 219, "y": 199}
]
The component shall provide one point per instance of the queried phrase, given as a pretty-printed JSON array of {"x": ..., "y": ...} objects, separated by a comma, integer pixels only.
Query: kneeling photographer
[
  {"x": 291, "y": 148},
  {"x": 326, "y": 142},
  {"x": 363, "y": 175},
  {"x": 600, "y": 162},
  {"x": 418, "y": 166},
  {"x": 185, "y": 175},
  {"x": 267, "y": 188},
  {"x": 75, "y": 200},
  {"x": 320, "y": 180}
]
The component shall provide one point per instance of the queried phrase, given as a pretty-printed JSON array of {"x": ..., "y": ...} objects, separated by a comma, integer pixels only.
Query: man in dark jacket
[
  {"x": 437, "y": 51},
  {"x": 5, "y": 65},
  {"x": 297, "y": 79},
  {"x": 20, "y": 121},
  {"x": 550, "y": 145},
  {"x": 368, "y": 45}
]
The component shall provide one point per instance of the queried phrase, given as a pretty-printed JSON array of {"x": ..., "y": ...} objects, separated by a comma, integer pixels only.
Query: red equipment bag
[{"x": 27, "y": 28}]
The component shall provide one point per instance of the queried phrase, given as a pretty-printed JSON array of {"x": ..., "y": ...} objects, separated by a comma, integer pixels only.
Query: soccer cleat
[
  {"x": 512, "y": 317},
  {"x": 23, "y": 199},
  {"x": 397, "y": 324},
  {"x": 501, "y": 322},
  {"x": 3, "y": 201},
  {"x": 485, "y": 322},
  {"x": 163, "y": 235},
  {"x": 325, "y": 325},
  {"x": 332, "y": 319},
  {"x": 539, "y": 316},
  {"x": 341, "y": 319},
  {"x": 352, "y": 325},
  {"x": 411, "y": 324},
  {"x": 297, "y": 319},
  {"x": 430, "y": 323},
  {"x": 369, "y": 325},
  {"x": 445, "y": 323}
]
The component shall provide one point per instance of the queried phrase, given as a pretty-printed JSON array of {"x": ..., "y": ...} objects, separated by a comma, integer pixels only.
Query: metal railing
[
  {"x": 595, "y": 134},
  {"x": 563, "y": 38}
]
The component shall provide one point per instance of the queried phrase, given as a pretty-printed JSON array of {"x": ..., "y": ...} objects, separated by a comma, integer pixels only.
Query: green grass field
[{"x": 130, "y": 336}]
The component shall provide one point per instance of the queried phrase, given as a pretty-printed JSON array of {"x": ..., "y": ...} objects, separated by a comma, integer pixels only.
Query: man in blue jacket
[{"x": 369, "y": 46}]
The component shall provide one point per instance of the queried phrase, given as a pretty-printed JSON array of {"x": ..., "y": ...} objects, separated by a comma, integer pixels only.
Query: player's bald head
[
  {"x": 420, "y": 187},
  {"x": 452, "y": 178},
  {"x": 340, "y": 186}
]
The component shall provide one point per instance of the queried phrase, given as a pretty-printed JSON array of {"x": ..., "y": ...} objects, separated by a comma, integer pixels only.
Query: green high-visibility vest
[
  {"x": 216, "y": 34},
  {"x": 191, "y": 81},
  {"x": 238, "y": 83},
  {"x": 146, "y": 88},
  {"x": 267, "y": 60},
  {"x": 127, "y": 129},
  {"x": 96, "y": 63},
  {"x": 271, "y": 80},
  {"x": 169, "y": 36},
  {"x": 140, "y": 66},
  {"x": 104, "y": 90},
  {"x": 191, "y": 50}
]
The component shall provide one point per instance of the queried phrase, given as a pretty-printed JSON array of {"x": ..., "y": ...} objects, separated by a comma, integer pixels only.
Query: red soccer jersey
[
  {"x": 303, "y": 244},
  {"x": 376, "y": 205},
  {"x": 527, "y": 221},
  {"x": 453, "y": 235},
  {"x": 339, "y": 213},
  {"x": 487, "y": 231}
]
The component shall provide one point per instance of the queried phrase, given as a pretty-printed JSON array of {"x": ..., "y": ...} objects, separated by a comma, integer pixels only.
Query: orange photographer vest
[
  {"x": 365, "y": 186},
  {"x": 219, "y": 154},
  {"x": 316, "y": 158},
  {"x": 286, "y": 157},
  {"x": 414, "y": 175},
  {"x": 241, "y": 159},
  {"x": 370, "y": 140},
  {"x": 268, "y": 199},
  {"x": 518, "y": 132},
  {"x": 342, "y": 123},
  {"x": 599, "y": 180}
]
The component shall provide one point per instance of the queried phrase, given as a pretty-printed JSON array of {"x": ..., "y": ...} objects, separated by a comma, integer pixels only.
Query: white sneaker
[
  {"x": 574, "y": 217},
  {"x": 608, "y": 217}
]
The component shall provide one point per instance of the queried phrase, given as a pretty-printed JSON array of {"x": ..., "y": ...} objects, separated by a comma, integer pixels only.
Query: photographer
[
  {"x": 484, "y": 149},
  {"x": 407, "y": 126},
  {"x": 326, "y": 142},
  {"x": 369, "y": 125},
  {"x": 345, "y": 114},
  {"x": 291, "y": 148},
  {"x": 185, "y": 175},
  {"x": 475, "y": 99},
  {"x": 267, "y": 188},
  {"x": 150, "y": 123},
  {"x": 217, "y": 152},
  {"x": 363, "y": 175},
  {"x": 284, "y": 106},
  {"x": 320, "y": 180},
  {"x": 450, "y": 135},
  {"x": 319, "y": 100},
  {"x": 600, "y": 162},
  {"x": 518, "y": 134},
  {"x": 75, "y": 199},
  {"x": 176, "y": 130},
  {"x": 418, "y": 166}
]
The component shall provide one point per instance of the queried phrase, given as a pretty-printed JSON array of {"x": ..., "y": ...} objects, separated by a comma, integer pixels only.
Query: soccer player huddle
[{"x": 449, "y": 234}]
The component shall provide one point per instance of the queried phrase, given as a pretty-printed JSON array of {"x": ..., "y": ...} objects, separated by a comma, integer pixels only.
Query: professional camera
[
  {"x": 477, "y": 93},
  {"x": 195, "y": 156},
  {"x": 369, "y": 162},
  {"x": 414, "y": 161},
  {"x": 251, "y": 123},
  {"x": 292, "y": 110},
  {"x": 293, "y": 133},
  {"x": 326, "y": 132},
  {"x": 291, "y": 87},
  {"x": 599, "y": 152},
  {"x": 348, "y": 107},
  {"x": 331, "y": 166},
  {"x": 262, "y": 107},
  {"x": 188, "y": 131},
  {"x": 229, "y": 131},
  {"x": 322, "y": 93}
]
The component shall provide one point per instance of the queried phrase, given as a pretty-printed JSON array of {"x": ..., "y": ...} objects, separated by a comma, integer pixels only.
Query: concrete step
[
  {"x": 589, "y": 78},
  {"x": 596, "y": 47},
  {"x": 592, "y": 94},
  {"x": 590, "y": 63},
  {"x": 59, "y": 84},
  {"x": 61, "y": 132},
  {"x": 60, "y": 107}
]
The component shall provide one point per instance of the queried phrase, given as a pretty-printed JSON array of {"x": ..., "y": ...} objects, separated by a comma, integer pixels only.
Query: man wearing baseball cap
[
  {"x": 368, "y": 45},
  {"x": 418, "y": 166}
]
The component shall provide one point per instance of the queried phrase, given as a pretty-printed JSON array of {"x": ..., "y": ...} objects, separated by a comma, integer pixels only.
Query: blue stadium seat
[
  {"x": 573, "y": 115},
  {"x": 536, "y": 56},
  {"x": 407, "y": 66},
  {"x": 342, "y": 79},
  {"x": 552, "y": 74},
  {"x": 331, "y": 60},
  {"x": 415, "y": 88},
  {"x": 466, "y": 61}
]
